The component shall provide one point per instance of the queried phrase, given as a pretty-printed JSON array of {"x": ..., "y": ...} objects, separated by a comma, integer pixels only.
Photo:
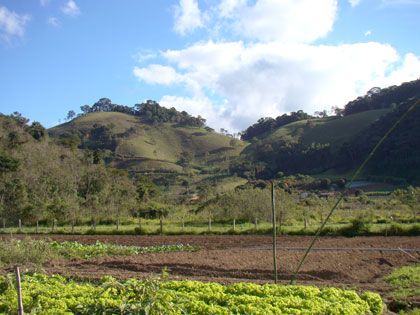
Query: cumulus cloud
[
  {"x": 226, "y": 8},
  {"x": 269, "y": 79},
  {"x": 195, "y": 106},
  {"x": 187, "y": 16},
  {"x": 71, "y": 9},
  {"x": 287, "y": 20},
  {"x": 234, "y": 83},
  {"x": 12, "y": 23},
  {"x": 158, "y": 74}
]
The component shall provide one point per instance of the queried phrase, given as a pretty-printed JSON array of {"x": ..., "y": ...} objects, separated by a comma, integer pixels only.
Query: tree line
[
  {"x": 151, "y": 111},
  {"x": 42, "y": 179}
]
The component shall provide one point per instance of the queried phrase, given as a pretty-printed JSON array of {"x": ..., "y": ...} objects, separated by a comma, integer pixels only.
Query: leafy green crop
[
  {"x": 45, "y": 295},
  {"x": 75, "y": 249}
]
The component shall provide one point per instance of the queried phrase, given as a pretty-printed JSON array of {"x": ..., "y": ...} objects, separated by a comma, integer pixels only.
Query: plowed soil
[{"x": 228, "y": 259}]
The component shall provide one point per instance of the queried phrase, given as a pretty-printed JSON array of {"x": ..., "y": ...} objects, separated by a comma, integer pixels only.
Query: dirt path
[{"x": 229, "y": 259}]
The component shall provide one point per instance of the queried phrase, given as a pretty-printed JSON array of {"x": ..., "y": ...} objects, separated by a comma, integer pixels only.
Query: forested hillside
[
  {"x": 340, "y": 143},
  {"x": 41, "y": 179}
]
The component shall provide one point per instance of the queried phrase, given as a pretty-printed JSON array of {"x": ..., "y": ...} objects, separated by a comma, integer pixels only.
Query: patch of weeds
[
  {"x": 406, "y": 283},
  {"x": 414, "y": 311},
  {"x": 26, "y": 251}
]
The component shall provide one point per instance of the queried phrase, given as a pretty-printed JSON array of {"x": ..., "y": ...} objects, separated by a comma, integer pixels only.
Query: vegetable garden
[{"x": 215, "y": 274}]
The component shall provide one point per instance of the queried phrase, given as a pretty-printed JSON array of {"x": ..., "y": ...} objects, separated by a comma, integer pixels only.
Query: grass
[
  {"x": 331, "y": 130},
  {"x": 406, "y": 288},
  {"x": 162, "y": 142},
  {"x": 346, "y": 228}
]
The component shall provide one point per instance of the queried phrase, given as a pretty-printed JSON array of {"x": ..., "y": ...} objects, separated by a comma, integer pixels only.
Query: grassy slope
[
  {"x": 155, "y": 147},
  {"x": 327, "y": 130}
]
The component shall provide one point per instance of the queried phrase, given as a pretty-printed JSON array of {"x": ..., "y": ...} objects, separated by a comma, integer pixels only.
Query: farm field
[{"x": 231, "y": 259}]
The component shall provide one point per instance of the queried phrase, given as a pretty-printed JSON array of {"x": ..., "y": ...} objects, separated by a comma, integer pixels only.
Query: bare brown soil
[{"x": 227, "y": 259}]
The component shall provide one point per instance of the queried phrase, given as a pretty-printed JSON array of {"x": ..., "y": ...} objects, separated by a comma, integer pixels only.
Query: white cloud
[
  {"x": 226, "y": 8},
  {"x": 187, "y": 17},
  {"x": 368, "y": 33},
  {"x": 141, "y": 57},
  {"x": 71, "y": 9},
  {"x": 53, "y": 21},
  {"x": 287, "y": 20},
  {"x": 158, "y": 74},
  {"x": 353, "y": 3},
  {"x": 198, "y": 106},
  {"x": 234, "y": 83},
  {"x": 269, "y": 79},
  {"x": 12, "y": 24}
]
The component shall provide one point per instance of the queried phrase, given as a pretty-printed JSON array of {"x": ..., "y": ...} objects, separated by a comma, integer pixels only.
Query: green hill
[
  {"x": 159, "y": 149},
  {"x": 339, "y": 144},
  {"x": 330, "y": 130}
]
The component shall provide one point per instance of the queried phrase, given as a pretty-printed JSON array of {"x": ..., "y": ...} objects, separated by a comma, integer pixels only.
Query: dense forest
[{"x": 390, "y": 97}]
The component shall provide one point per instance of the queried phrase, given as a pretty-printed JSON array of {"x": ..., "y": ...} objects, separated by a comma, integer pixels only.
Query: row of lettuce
[{"x": 43, "y": 294}]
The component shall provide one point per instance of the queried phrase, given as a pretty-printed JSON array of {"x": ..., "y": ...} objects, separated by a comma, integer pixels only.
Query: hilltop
[{"x": 169, "y": 150}]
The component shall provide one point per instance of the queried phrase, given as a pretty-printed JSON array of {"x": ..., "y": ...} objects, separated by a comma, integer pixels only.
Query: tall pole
[
  {"x": 273, "y": 206},
  {"x": 19, "y": 291}
]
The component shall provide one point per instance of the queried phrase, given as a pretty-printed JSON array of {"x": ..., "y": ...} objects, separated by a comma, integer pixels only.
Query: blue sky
[{"x": 230, "y": 61}]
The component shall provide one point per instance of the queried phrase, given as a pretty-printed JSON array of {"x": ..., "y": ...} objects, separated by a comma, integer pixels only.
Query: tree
[
  {"x": 85, "y": 109},
  {"x": 339, "y": 112},
  {"x": 36, "y": 130},
  {"x": 8, "y": 163},
  {"x": 19, "y": 118},
  {"x": 70, "y": 115},
  {"x": 145, "y": 188}
]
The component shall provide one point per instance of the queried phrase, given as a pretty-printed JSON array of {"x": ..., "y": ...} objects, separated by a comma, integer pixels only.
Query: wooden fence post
[
  {"x": 234, "y": 224},
  {"x": 53, "y": 224},
  {"x": 256, "y": 223},
  {"x": 161, "y": 226},
  {"x": 273, "y": 206},
  {"x": 72, "y": 226},
  {"x": 209, "y": 224},
  {"x": 182, "y": 225},
  {"x": 37, "y": 225},
  {"x": 20, "y": 224},
  {"x": 118, "y": 224},
  {"x": 140, "y": 223},
  {"x": 19, "y": 291}
]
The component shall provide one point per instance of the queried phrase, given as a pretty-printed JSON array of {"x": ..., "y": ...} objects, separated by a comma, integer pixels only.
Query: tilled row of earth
[{"x": 227, "y": 259}]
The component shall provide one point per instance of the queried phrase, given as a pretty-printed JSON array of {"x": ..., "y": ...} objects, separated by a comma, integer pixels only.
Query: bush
[{"x": 359, "y": 226}]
